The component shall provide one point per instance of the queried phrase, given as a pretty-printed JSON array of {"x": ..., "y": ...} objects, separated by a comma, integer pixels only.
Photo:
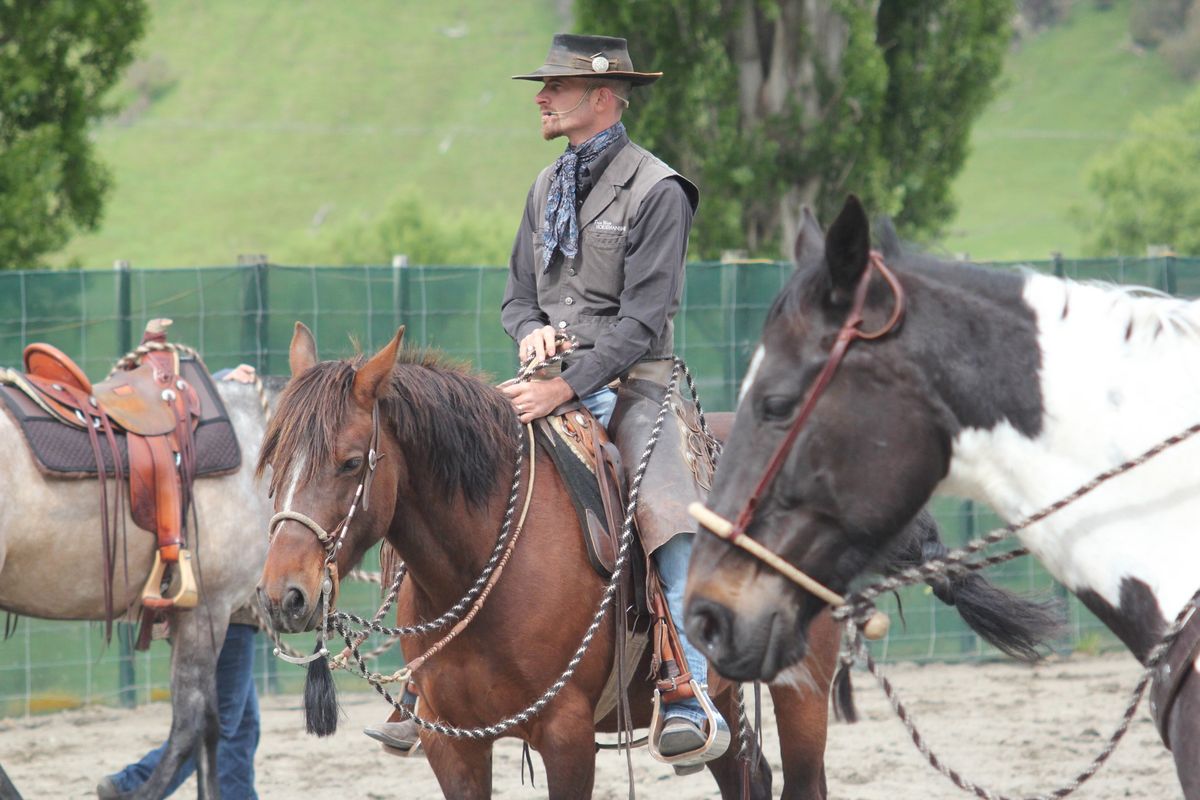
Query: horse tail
[
  {"x": 320, "y": 698},
  {"x": 1017, "y": 626}
]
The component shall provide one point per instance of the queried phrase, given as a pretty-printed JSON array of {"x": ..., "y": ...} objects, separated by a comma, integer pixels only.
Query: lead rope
[
  {"x": 860, "y": 605},
  {"x": 1152, "y": 663}
]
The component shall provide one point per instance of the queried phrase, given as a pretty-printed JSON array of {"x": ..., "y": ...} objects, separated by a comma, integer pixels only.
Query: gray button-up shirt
[{"x": 655, "y": 251}]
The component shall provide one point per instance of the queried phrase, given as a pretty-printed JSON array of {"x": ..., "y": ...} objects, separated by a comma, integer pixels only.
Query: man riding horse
[{"x": 599, "y": 256}]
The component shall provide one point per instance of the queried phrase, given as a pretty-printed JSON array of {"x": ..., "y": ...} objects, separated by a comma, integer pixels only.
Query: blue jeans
[
  {"x": 672, "y": 562},
  {"x": 237, "y": 705},
  {"x": 601, "y": 403}
]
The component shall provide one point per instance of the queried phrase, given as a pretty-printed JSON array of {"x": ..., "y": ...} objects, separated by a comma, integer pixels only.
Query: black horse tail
[
  {"x": 320, "y": 698},
  {"x": 1017, "y": 626}
]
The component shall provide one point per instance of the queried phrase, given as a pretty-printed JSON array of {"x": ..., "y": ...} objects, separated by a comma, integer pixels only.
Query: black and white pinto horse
[{"x": 1010, "y": 388}]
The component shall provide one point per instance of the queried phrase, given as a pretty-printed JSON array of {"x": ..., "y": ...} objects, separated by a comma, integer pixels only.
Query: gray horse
[{"x": 51, "y": 567}]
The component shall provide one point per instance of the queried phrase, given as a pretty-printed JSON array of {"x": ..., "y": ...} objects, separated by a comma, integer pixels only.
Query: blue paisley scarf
[{"x": 562, "y": 218}]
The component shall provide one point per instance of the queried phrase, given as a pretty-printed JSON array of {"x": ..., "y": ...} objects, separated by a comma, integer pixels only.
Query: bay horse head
[
  {"x": 849, "y": 479},
  {"x": 325, "y": 451}
]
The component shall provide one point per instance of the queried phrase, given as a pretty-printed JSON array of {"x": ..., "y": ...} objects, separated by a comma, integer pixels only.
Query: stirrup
[
  {"x": 186, "y": 597},
  {"x": 694, "y": 760}
]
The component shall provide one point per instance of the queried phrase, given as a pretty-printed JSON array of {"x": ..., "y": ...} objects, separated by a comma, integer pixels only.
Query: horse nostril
[
  {"x": 708, "y": 625},
  {"x": 294, "y": 603}
]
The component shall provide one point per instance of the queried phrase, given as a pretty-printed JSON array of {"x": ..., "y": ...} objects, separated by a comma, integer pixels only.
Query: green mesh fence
[{"x": 246, "y": 314}]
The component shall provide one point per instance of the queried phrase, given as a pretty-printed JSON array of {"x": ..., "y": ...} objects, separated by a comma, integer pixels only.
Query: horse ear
[
  {"x": 848, "y": 245},
  {"x": 376, "y": 371},
  {"x": 303, "y": 353},
  {"x": 808, "y": 238}
]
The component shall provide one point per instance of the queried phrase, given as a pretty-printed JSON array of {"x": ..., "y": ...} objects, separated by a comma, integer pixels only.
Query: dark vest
[{"x": 582, "y": 294}]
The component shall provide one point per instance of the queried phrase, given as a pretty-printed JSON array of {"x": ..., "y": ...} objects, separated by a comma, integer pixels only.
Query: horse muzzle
[
  {"x": 290, "y": 609},
  {"x": 745, "y": 647}
]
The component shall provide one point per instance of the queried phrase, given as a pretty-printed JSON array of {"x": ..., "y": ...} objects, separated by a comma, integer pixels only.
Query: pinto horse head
[
  {"x": 319, "y": 448},
  {"x": 859, "y": 469}
]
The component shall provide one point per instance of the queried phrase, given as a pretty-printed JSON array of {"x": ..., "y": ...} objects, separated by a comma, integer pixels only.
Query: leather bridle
[{"x": 851, "y": 331}]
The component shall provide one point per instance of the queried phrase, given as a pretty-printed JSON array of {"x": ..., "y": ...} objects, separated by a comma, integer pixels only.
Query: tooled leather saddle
[
  {"x": 139, "y": 426},
  {"x": 590, "y": 467}
]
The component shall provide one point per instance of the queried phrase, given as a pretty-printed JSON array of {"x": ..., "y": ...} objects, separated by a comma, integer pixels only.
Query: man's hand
[
  {"x": 535, "y": 399},
  {"x": 540, "y": 344},
  {"x": 242, "y": 373}
]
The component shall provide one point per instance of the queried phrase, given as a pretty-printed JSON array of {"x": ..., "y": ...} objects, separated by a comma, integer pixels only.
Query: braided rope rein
[
  {"x": 859, "y": 647},
  {"x": 456, "y": 611},
  {"x": 494, "y": 730},
  {"x": 860, "y": 605}
]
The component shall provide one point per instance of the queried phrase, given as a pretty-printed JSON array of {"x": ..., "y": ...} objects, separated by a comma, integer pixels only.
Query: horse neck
[
  {"x": 445, "y": 541},
  {"x": 1115, "y": 377}
]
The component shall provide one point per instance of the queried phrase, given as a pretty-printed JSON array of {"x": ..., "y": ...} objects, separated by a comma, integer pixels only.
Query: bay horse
[
  {"x": 446, "y": 441},
  {"x": 1010, "y": 388},
  {"x": 51, "y": 568}
]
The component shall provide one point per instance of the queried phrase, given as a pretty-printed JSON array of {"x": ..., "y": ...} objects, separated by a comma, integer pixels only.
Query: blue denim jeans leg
[
  {"x": 237, "y": 704},
  {"x": 672, "y": 562},
  {"x": 601, "y": 403}
]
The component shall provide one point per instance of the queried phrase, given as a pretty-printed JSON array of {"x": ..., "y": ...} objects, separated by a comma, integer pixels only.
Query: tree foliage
[
  {"x": 57, "y": 60},
  {"x": 1148, "y": 187},
  {"x": 411, "y": 226},
  {"x": 775, "y": 104}
]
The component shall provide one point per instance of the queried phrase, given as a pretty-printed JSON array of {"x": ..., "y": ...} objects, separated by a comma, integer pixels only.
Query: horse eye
[
  {"x": 778, "y": 406},
  {"x": 350, "y": 465}
]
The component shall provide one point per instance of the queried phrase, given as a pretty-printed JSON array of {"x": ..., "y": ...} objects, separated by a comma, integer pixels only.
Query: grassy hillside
[
  {"x": 276, "y": 128},
  {"x": 1065, "y": 96},
  {"x": 272, "y": 126}
]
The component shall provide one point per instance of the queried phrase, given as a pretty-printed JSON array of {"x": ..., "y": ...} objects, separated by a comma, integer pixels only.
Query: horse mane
[
  {"x": 1142, "y": 315},
  {"x": 448, "y": 419}
]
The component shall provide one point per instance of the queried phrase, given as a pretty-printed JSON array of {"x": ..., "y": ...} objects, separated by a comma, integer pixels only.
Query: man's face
[{"x": 565, "y": 95}]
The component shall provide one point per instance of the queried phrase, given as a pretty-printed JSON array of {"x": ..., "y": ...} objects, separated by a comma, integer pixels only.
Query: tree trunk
[{"x": 783, "y": 61}]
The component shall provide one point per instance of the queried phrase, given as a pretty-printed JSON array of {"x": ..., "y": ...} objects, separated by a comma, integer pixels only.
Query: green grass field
[
  {"x": 275, "y": 128},
  {"x": 276, "y": 125},
  {"x": 1064, "y": 96}
]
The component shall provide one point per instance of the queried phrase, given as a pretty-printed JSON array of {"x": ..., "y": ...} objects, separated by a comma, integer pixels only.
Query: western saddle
[{"x": 158, "y": 411}]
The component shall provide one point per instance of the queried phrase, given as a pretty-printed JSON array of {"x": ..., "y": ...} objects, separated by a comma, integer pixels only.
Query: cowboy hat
[{"x": 575, "y": 56}]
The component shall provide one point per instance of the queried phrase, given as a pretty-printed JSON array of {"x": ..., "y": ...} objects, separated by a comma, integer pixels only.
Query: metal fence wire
[{"x": 247, "y": 313}]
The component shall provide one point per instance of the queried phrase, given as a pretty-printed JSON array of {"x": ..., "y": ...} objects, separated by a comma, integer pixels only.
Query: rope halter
[{"x": 332, "y": 541}]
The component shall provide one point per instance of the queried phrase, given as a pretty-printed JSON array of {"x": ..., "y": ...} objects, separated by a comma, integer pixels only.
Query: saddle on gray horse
[{"x": 157, "y": 425}]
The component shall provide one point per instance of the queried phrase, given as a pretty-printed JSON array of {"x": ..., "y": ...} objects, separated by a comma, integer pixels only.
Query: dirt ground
[{"x": 1018, "y": 730}]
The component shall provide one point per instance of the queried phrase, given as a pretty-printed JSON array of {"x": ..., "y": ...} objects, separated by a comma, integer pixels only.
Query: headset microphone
[{"x": 582, "y": 97}]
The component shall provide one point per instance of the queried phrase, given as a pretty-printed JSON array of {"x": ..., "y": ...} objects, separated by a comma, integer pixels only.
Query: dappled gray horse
[{"x": 51, "y": 566}]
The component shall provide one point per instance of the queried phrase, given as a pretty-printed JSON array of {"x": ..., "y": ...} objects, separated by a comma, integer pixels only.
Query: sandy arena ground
[{"x": 1016, "y": 729}]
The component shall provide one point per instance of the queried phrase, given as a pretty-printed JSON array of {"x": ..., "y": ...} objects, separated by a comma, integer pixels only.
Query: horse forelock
[
  {"x": 451, "y": 422},
  {"x": 305, "y": 425}
]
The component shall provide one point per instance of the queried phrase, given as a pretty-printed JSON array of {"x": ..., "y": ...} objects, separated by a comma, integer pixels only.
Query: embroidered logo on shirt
[{"x": 608, "y": 227}]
